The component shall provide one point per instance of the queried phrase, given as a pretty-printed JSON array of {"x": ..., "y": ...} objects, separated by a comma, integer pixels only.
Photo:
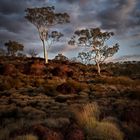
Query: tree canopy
[
  {"x": 44, "y": 18},
  {"x": 95, "y": 40},
  {"x": 13, "y": 47}
]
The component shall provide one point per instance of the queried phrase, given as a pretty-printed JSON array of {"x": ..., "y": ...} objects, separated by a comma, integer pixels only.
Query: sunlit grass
[{"x": 88, "y": 119}]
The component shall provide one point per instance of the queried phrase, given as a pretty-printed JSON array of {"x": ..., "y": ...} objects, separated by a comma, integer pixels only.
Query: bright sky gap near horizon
[{"x": 120, "y": 16}]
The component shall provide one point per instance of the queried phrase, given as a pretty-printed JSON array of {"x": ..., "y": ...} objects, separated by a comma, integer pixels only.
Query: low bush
[
  {"x": 66, "y": 88},
  {"x": 27, "y": 137},
  {"x": 8, "y": 111},
  {"x": 87, "y": 116},
  {"x": 57, "y": 71},
  {"x": 77, "y": 85},
  {"x": 132, "y": 130},
  {"x": 106, "y": 131},
  {"x": 57, "y": 123},
  {"x": 75, "y": 133},
  {"x": 33, "y": 113},
  {"x": 122, "y": 80},
  {"x": 50, "y": 90},
  {"x": 4, "y": 134},
  {"x": 37, "y": 68}
]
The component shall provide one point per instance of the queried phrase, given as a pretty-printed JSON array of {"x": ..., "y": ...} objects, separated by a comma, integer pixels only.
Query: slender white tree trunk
[
  {"x": 99, "y": 69},
  {"x": 45, "y": 52}
]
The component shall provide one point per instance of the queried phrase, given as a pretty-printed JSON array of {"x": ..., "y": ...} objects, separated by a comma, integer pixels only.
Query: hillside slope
[{"x": 39, "y": 99}]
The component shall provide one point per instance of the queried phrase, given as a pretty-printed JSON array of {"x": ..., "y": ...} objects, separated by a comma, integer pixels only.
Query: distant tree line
[{"x": 16, "y": 49}]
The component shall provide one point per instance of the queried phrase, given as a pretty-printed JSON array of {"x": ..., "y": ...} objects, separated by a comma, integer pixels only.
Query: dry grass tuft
[
  {"x": 27, "y": 137},
  {"x": 106, "y": 131},
  {"x": 88, "y": 119}
]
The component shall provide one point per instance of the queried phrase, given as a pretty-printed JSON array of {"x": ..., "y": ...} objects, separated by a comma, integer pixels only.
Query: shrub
[
  {"x": 66, "y": 88},
  {"x": 58, "y": 123},
  {"x": 33, "y": 113},
  {"x": 46, "y": 134},
  {"x": 132, "y": 130},
  {"x": 50, "y": 90},
  {"x": 57, "y": 71},
  {"x": 27, "y": 137},
  {"x": 4, "y": 134},
  {"x": 37, "y": 69},
  {"x": 122, "y": 80},
  {"x": 87, "y": 116},
  {"x": 54, "y": 136},
  {"x": 78, "y": 86},
  {"x": 76, "y": 135},
  {"x": 90, "y": 110},
  {"x": 40, "y": 131},
  {"x": 39, "y": 82},
  {"x": 106, "y": 131},
  {"x": 9, "y": 69},
  {"x": 133, "y": 94},
  {"x": 88, "y": 119},
  {"x": 7, "y": 111},
  {"x": 6, "y": 83}
]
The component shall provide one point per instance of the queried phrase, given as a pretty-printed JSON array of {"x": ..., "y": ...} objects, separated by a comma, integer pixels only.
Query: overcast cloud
[{"x": 120, "y": 16}]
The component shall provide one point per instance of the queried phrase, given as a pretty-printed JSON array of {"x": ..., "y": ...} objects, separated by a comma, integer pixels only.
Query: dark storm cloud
[
  {"x": 12, "y": 23},
  {"x": 121, "y": 16},
  {"x": 67, "y": 1},
  {"x": 12, "y": 7}
]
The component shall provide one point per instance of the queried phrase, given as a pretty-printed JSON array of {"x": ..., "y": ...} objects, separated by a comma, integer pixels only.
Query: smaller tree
[
  {"x": 94, "y": 39},
  {"x": 13, "y": 47},
  {"x": 61, "y": 57},
  {"x": 32, "y": 53}
]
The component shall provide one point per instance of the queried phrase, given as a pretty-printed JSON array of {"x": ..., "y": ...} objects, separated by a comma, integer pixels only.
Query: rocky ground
[{"x": 37, "y": 100}]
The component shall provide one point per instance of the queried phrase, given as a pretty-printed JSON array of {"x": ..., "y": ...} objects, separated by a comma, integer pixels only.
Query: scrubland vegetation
[{"x": 65, "y": 100}]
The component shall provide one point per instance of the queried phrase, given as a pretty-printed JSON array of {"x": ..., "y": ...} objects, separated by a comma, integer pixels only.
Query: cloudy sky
[{"x": 120, "y": 16}]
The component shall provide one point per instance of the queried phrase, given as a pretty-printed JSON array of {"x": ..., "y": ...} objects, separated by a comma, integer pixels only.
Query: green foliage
[
  {"x": 95, "y": 39},
  {"x": 85, "y": 57},
  {"x": 43, "y": 18},
  {"x": 61, "y": 57}
]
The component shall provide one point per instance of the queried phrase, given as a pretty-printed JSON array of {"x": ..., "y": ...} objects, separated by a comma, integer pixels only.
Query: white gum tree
[
  {"x": 94, "y": 39},
  {"x": 44, "y": 18}
]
